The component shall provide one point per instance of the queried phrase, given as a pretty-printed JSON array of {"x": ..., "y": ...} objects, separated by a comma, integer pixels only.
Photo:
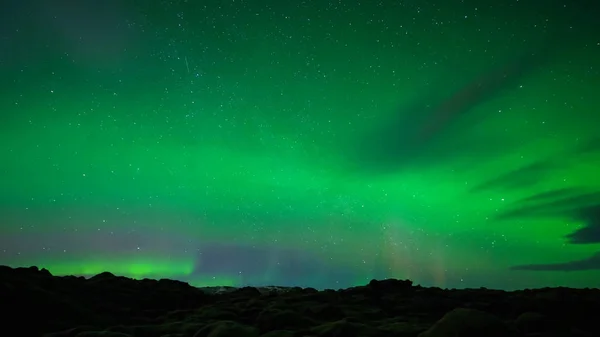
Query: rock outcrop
[{"x": 35, "y": 303}]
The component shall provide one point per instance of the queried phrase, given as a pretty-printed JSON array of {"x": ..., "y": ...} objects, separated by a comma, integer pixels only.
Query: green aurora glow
[{"x": 117, "y": 157}]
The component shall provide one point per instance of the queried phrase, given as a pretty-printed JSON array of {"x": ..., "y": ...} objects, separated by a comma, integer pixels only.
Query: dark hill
[{"x": 35, "y": 303}]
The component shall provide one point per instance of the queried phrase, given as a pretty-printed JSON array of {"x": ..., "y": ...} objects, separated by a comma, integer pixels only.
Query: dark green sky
[{"x": 313, "y": 143}]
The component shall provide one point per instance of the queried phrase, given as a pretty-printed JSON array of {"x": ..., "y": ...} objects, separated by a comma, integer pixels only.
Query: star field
[{"x": 311, "y": 143}]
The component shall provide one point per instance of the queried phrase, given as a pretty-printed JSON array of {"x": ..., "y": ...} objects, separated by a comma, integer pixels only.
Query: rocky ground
[{"x": 35, "y": 303}]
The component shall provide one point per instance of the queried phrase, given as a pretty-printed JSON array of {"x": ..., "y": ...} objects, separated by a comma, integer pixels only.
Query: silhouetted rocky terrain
[{"x": 35, "y": 303}]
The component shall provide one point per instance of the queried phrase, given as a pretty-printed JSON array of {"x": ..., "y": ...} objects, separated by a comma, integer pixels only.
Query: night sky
[{"x": 312, "y": 143}]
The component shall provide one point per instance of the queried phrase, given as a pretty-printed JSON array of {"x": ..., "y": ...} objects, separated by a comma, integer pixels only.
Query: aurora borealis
[{"x": 311, "y": 143}]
